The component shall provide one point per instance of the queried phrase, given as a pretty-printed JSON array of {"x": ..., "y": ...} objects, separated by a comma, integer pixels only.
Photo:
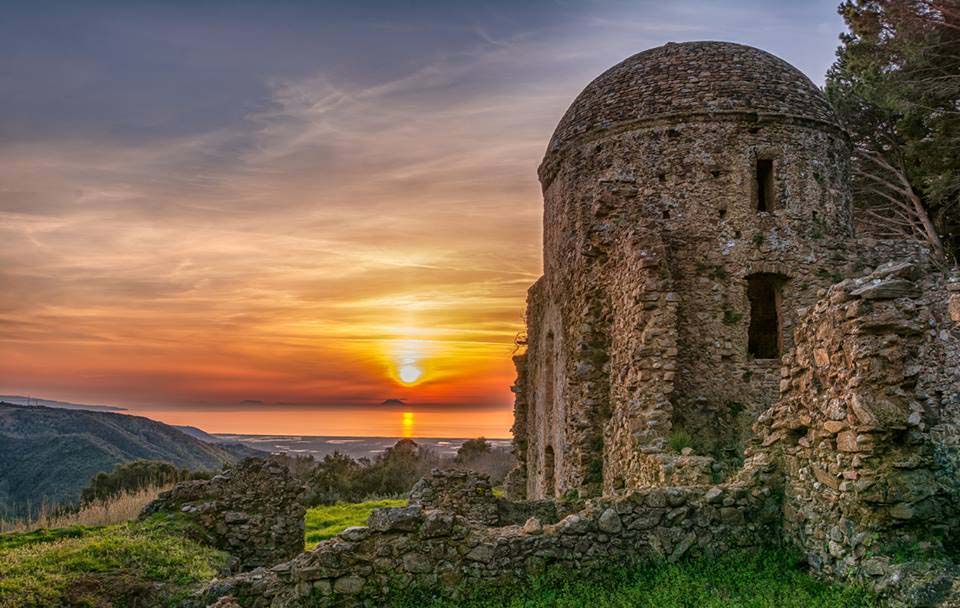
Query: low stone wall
[
  {"x": 252, "y": 510},
  {"x": 445, "y": 553}
]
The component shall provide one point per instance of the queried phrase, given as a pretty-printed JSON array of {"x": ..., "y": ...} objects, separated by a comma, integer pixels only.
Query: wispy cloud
[{"x": 357, "y": 192}]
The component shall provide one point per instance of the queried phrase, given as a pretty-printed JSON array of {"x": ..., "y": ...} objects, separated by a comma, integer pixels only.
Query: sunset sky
[{"x": 270, "y": 217}]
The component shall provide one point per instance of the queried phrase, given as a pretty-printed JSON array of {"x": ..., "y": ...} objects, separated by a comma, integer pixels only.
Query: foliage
[
  {"x": 325, "y": 522},
  {"x": 763, "y": 579},
  {"x": 730, "y": 316},
  {"x": 896, "y": 87},
  {"x": 472, "y": 450},
  {"x": 479, "y": 455},
  {"x": 120, "y": 508},
  {"x": 339, "y": 478},
  {"x": 131, "y": 477},
  {"x": 679, "y": 440},
  {"x": 145, "y": 563}
]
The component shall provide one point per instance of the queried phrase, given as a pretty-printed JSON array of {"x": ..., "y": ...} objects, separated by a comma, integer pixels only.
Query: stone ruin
[
  {"x": 253, "y": 511},
  {"x": 714, "y": 361}
]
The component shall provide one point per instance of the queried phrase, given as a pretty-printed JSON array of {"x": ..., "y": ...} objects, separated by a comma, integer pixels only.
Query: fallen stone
[
  {"x": 403, "y": 519},
  {"x": 533, "y": 526},
  {"x": 348, "y": 585},
  {"x": 609, "y": 522},
  {"x": 886, "y": 290}
]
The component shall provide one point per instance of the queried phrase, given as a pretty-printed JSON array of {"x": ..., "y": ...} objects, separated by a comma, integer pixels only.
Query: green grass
[
  {"x": 150, "y": 563},
  {"x": 324, "y": 522},
  {"x": 761, "y": 579}
]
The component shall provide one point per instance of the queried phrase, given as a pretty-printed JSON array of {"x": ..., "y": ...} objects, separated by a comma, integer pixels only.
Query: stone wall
[
  {"x": 866, "y": 429},
  {"x": 469, "y": 495},
  {"x": 463, "y": 493},
  {"x": 444, "y": 553},
  {"x": 252, "y": 510}
]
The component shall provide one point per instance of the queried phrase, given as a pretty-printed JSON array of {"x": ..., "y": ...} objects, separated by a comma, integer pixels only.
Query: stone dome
[{"x": 679, "y": 80}]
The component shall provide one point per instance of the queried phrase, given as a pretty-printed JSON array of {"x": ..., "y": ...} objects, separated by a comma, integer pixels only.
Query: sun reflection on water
[{"x": 406, "y": 424}]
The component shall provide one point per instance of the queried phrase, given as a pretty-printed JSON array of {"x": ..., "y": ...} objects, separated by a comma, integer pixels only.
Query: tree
[
  {"x": 896, "y": 86},
  {"x": 334, "y": 479},
  {"x": 339, "y": 478},
  {"x": 472, "y": 450}
]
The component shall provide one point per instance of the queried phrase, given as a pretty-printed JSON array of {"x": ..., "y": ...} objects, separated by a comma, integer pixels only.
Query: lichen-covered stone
[{"x": 252, "y": 510}]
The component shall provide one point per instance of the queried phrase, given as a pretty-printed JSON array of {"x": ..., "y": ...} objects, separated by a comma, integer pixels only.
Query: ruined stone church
[{"x": 696, "y": 206}]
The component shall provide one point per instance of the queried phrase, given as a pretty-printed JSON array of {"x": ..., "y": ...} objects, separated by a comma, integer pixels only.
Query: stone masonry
[
  {"x": 416, "y": 548},
  {"x": 867, "y": 400},
  {"x": 252, "y": 510}
]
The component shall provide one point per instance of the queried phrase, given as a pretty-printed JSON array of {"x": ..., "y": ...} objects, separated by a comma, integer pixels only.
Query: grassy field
[
  {"x": 153, "y": 563},
  {"x": 149, "y": 563},
  {"x": 325, "y": 521},
  {"x": 762, "y": 579}
]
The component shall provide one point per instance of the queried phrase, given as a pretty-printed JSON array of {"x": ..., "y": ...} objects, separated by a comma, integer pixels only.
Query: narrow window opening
[
  {"x": 715, "y": 173},
  {"x": 549, "y": 473},
  {"x": 549, "y": 371},
  {"x": 662, "y": 177},
  {"x": 764, "y": 184},
  {"x": 666, "y": 215},
  {"x": 723, "y": 212},
  {"x": 764, "y": 292}
]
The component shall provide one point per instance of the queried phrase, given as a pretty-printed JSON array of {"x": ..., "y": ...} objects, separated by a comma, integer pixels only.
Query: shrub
[
  {"x": 131, "y": 477},
  {"x": 680, "y": 439}
]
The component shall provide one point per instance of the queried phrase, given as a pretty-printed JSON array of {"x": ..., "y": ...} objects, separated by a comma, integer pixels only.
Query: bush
[
  {"x": 132, "y": 477},
  {"x": 478, "y": 455},
  {"x": 339, "y": 478}
]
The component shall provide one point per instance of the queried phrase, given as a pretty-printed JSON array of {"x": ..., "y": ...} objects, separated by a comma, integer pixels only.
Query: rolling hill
[{"x": 49, "y": 454}]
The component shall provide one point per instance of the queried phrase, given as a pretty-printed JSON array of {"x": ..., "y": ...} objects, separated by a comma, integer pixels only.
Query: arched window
[
  {"x": 549, "y": 373},
  {"x": 549, "y": 388}
]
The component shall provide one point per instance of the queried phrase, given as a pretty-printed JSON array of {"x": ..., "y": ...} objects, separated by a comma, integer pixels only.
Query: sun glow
[
  {"x": 408, "y": 356},
  {"x": 409, "y": 373},
  {"x": 406, "y": 424}
]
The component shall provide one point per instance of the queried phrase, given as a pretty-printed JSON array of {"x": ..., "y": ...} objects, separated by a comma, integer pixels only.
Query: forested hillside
[{"x": 50, "y": 454}]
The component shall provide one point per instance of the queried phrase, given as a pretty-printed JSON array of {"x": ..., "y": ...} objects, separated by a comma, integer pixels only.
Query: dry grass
[{"x": 113, "y": 511}]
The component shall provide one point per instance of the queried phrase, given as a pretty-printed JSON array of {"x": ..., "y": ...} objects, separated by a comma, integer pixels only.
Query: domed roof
[{"x": 692, "y": 78}]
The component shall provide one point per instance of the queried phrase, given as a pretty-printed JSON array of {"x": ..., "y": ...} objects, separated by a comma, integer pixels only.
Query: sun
[{"x": 409, "y": 373}]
